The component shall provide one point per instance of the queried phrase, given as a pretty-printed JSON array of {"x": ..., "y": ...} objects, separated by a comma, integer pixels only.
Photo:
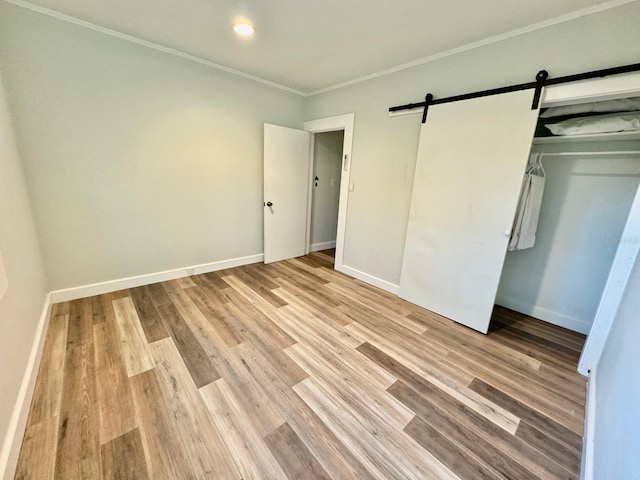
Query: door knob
[{"x": 268, "y": 204}]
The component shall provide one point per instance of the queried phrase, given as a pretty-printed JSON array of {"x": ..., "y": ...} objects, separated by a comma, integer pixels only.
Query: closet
[
  {"x": 591, "y": 180},
  {"x": 473, "y": 152}
]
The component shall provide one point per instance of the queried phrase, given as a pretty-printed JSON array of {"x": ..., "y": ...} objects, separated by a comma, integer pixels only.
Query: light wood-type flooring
[{"x": 293, "y": 370}]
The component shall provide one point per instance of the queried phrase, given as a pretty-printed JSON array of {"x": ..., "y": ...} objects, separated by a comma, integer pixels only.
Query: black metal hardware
[
  {"x": 427, "y": 101},
  {"x": 541, "y": 79},
  {"x": 268, "y": 204},
  {"x": 522, "y": 86}
]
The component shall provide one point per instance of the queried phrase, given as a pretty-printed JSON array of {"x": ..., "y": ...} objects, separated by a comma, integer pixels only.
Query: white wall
[
  {"x": 22, "y": 302},
  {"x": 584, "y": 211},
  {"x": 327, "y": 166},
  {"x": 617, "y": 421},
  {"x": 384, "y": 149},
  {"x": 137, "y": 161}
]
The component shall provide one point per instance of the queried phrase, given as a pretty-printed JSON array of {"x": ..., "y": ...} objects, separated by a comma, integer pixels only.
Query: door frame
[{"x": 333, "y": 124}]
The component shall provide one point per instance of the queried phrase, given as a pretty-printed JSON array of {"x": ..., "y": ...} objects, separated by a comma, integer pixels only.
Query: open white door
[
  {"x": 471, "y": 161},
  {"x": 286, "y": 186}
]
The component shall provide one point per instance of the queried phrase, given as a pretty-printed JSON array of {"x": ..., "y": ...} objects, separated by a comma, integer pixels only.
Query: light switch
[
  {"x": 4, "y": 284},
  {"x": 333, "y": 183},
  {"x": 352, "y": 186}
]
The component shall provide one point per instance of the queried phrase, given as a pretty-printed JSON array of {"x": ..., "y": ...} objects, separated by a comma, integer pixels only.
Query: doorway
[
  {"x": 325, "y": 189},
  {"x": 288, "y": 187}
]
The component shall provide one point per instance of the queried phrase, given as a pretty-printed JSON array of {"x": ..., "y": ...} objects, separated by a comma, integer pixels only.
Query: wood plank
[
  {"x": 193, "y": 425},
  {"x": 135, "y": 350},
  {"x": 257, "y": 285},
  {"x": 208, "y": 337},
  {"x": 97, "y": 307},
  {"x": 185, "y": 282},
  {"x": 518, "y": 459},
  {"x": 411, "y": 351},
  {"x": 446, "y": 383},
  {"x": 115, "y": 405},
  {"x": 466, "y": 439},
  {"x": 376, "y": 446},
  {"x": 249, "y": 451},
  {"x": 195, "y": 358},
  {"x": 335, "y": 457},
  {"x": 531, "y": 416},
  {"x": 460, "y": 461},
  {"x": 294, "y": 456},
  {"x": 154, "y": 329},
  {"x": 48, "y": 389},
  {"x": 218, "y": 315},
  {"x": 78, "y": 454},
  {"x": 164, "y": 452},
  {"x": 351, "y": 389},
  {"x": 123, "y": 458},
  {"x": 40, "y": 442},
  {"x": 557, "y": 451},
  {"x": 525, "y": 385},
  {"x": 80, "y": 330}
]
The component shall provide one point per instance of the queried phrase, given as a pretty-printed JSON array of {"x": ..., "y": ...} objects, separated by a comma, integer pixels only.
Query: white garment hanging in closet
[{"x": 525, "y": 225}]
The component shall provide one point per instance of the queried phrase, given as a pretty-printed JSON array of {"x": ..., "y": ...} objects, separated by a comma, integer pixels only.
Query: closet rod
[
  {"x": 634, "y": 67},
  {"x": 599, "y": 154}
]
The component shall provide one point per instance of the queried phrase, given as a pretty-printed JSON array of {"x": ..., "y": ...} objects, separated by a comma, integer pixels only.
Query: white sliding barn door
[
  {"x": 471, "y": 160},
  {"x": 286, "y": 188}
]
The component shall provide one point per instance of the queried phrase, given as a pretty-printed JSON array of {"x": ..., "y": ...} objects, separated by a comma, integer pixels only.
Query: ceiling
[{"x": 312, "y": 45}]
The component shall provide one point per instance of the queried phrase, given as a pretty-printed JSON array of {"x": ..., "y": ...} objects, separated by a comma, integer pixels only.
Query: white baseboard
[
  {"x": 370, "y": 279},
  {"x": 588, "y": 442},
  {"x": 18, "y": 421},
  {"x": 549, "y": 316},
  {"x": 130, "y": 282},
  {"x": 322, "y": 246}
]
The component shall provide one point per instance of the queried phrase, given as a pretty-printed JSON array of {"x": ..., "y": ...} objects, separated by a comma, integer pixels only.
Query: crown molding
[
  {"x": 431, "y": 58},
  {"x": 481, "y": 43},
  {"x": 145, "y": 43}
]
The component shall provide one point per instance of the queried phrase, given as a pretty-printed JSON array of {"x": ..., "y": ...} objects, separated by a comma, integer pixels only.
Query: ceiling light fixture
[{"x": 244, "y": 29}]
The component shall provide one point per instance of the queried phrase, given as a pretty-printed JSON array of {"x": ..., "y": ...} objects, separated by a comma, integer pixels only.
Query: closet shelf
[{"x": 596, "y": 137}]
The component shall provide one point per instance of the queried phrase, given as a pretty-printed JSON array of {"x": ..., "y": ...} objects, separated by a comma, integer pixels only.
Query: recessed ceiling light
[{"x": 244, "y": 29}]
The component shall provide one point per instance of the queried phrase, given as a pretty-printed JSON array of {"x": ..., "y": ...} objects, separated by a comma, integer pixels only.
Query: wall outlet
[{"x": 191, "y": 271}]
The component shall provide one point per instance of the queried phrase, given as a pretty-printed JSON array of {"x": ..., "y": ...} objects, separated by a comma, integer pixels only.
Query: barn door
[
  {"x": 471, "y": 161},
  {"x": 286, "y": 187}
]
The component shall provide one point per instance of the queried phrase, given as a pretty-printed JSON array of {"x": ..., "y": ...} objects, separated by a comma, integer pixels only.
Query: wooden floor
[{"x": 292, "y": 370}]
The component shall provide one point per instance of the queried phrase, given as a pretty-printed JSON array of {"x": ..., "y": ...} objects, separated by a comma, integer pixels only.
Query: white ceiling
[{"x": 311, "y": 45}]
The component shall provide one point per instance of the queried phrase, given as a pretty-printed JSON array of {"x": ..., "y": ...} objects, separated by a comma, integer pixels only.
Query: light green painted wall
[
  {"x": 22, "y": 302},
  {"x": 327, "y": 165},
  {"x": 137, "y": 161},
  {"x": 384, "y": 149},
  {"x": 584, "y": 210}
]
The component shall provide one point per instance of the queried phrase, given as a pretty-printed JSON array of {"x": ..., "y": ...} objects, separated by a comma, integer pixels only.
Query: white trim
[
  {"x": 331, "y": 124},
  {"x": 370, "y": 279},
  {"x": 18, "y": 421},
  {"x": 481, "y": 43},
  {"x": 315, "y": 247},
  {"x": 604, "y": 88},
  {"x": 623, "y": 262},
  {"x": 549, "y": 316},
  {"x": 139, "y": 280},
  {"x": 310, "y": 193},
  {"x": 588, "y": 444},
  {"x": 145, "y": 43}
]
